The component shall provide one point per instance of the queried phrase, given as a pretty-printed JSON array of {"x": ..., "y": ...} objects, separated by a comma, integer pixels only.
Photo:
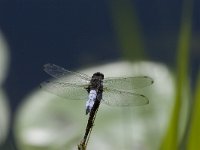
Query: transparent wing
[
  {"x": 66, "y": 90},
  {"x": 127, "y": 83},
  {"x": 114, "y": 97},
  {"x": 61, "y": 73}
]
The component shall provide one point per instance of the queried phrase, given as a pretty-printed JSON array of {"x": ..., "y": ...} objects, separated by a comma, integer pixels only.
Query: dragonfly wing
[
  {"x": 61, "y": 73},
  {"x": 115, "y": 97},
  {"x": 66, "y": 90},
  {"x": 128, "y": 83}
]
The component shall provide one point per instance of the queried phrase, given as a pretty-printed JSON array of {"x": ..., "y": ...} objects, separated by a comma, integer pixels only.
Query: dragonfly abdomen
[{"x": 91, "y": 99}]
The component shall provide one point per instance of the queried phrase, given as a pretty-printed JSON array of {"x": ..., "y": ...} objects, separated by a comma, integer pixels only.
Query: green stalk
[
  {"x": 194, "y": 132},
  {"x": 127, "y": 29},
  {"x": 170, "y": 141}
]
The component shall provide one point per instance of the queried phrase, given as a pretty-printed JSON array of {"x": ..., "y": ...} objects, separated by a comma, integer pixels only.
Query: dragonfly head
[{"x": 98, "y": 75}]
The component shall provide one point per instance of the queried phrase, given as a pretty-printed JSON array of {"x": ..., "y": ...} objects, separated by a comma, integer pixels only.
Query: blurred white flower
[{"x": 47, "y": 121}]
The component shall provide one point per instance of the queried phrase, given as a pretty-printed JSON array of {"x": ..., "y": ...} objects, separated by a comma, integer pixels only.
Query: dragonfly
[{"x": 113, "y": 91}]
